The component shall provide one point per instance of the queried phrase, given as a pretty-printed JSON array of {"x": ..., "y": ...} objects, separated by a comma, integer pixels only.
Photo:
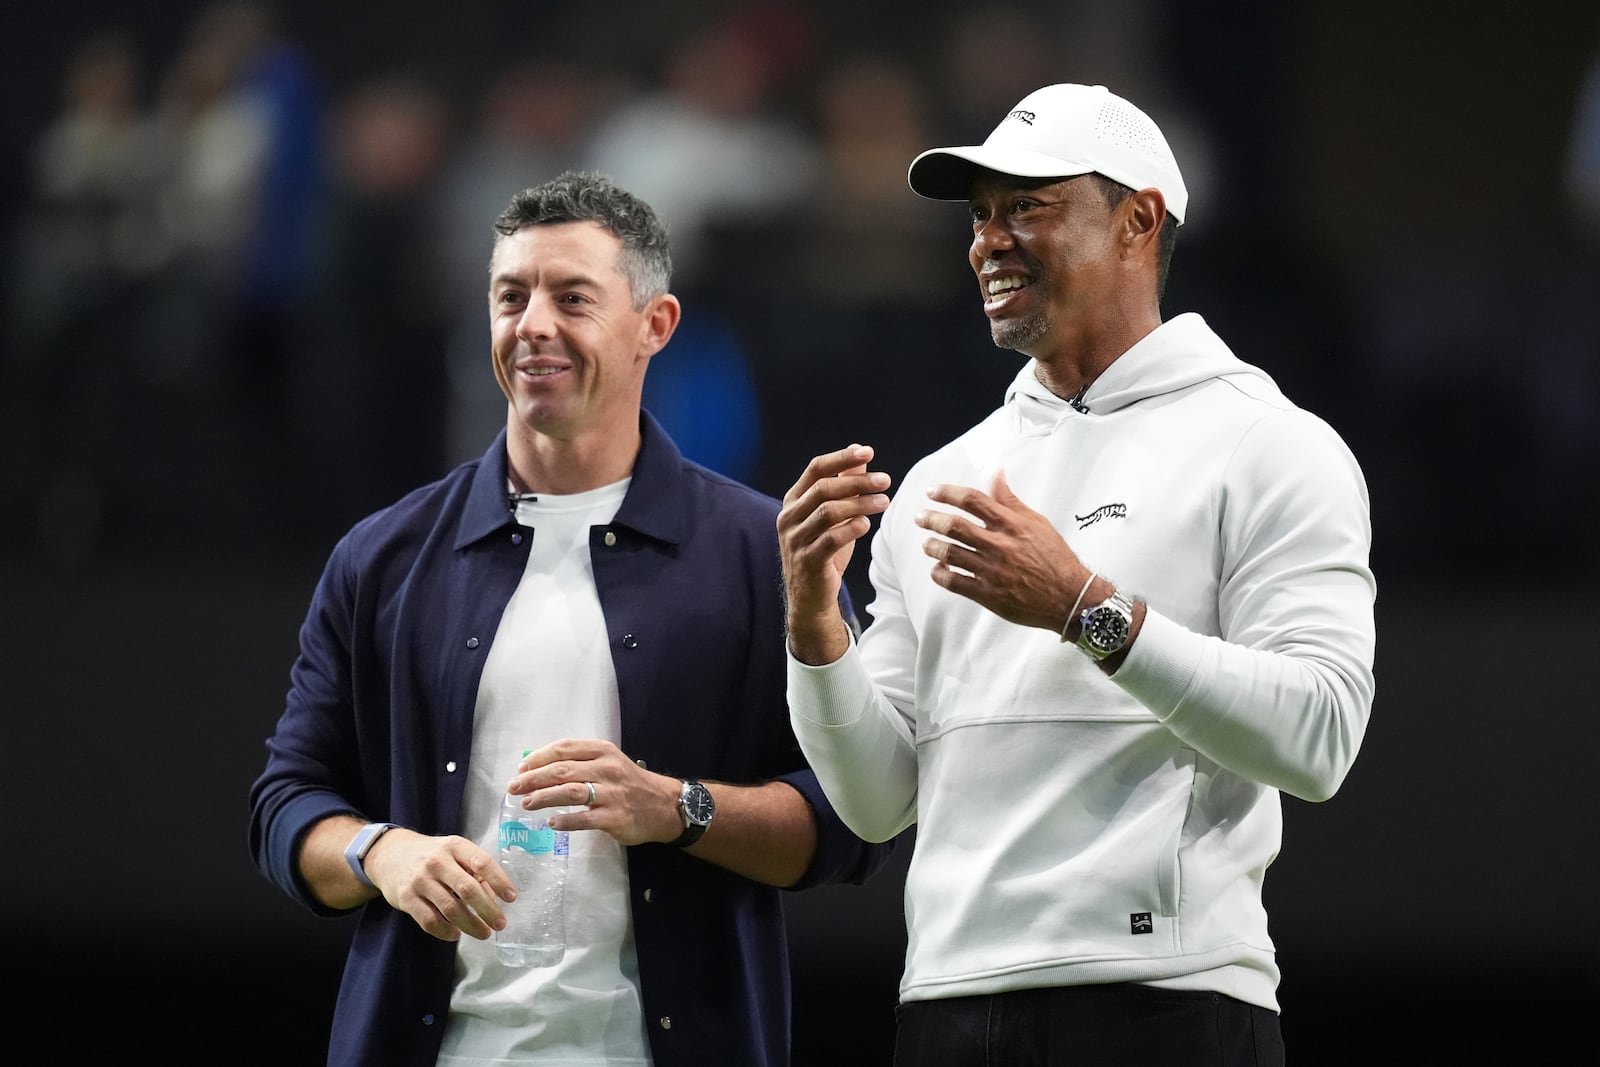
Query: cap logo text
[{"x": 1022, "y": 116}]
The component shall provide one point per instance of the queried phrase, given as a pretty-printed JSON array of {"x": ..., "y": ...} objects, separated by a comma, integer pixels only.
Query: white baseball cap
[{"x": 1058, "y": 132}]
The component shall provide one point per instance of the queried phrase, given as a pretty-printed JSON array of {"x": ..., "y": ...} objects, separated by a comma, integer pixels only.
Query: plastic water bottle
[{"x": 535, "y": 856}]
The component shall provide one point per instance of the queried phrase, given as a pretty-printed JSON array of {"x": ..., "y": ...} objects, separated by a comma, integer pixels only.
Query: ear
[
  {"x": 660, "y": 320},
  {"x": 1143, "y": 215}
]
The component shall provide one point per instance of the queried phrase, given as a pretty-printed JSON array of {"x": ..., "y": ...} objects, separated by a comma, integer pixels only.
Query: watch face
[
  {"x": 698, "y": 806},
  {"x": 1107, "y": 628}
]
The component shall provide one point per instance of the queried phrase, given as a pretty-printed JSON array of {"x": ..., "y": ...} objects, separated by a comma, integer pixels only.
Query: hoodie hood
[{"x": 1182, "y": 352}]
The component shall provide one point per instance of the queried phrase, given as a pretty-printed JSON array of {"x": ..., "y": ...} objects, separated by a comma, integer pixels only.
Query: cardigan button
[
  {"x": 611, "y": 538},
  {"x": 666, "y": 1022},
  {"x": 629, "y": 641},
  {"x": 472, "y": 642}
]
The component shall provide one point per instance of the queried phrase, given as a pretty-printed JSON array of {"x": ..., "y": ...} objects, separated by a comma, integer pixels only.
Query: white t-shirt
[{"x": 549, "y": 675}]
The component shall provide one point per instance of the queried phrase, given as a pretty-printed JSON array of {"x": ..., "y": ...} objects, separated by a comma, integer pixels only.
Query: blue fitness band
[{"x": 361, "y": 845}]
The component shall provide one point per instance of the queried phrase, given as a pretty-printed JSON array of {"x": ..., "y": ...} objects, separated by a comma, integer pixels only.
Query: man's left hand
[
  {"x": 631, "y": 804},
  {"x": 1012, "y": 560}
]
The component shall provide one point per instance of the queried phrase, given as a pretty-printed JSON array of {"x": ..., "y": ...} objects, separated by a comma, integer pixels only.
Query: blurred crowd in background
[{"x": 245, "y": 279}]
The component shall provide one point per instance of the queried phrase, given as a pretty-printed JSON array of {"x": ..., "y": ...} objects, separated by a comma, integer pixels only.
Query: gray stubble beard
[{"x": 1020, "y": 334}]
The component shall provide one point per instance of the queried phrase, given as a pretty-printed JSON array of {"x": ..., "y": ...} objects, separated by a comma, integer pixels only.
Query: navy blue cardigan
[{"x": 379, "y": 723}]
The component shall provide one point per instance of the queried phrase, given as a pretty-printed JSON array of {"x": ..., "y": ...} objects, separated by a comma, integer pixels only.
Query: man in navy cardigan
[{"x": 584, "y": 594}]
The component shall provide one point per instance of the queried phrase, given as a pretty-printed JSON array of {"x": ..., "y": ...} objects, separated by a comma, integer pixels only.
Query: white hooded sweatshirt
[{"x": 1074, "y": 828}]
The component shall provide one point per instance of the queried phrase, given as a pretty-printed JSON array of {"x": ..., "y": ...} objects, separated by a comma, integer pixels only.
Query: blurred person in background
[
  {"x": 710, "y": 146},
  {"x": 1580, "y": 164},
  {"x": 1111, "y": 624},
  {"x": 367, "y": 363},
  {"x": 713, "y": 149},
  {"x": 241, "y": 113},
  {"x": 187, "y": 219},
  {"x": 223, "y": 248},
  {"x": 988, "y": 57},
  {"x": 583, "y": 592},
  {"x": 77, "y": 263},
  {"x": 877, "y": 318}
]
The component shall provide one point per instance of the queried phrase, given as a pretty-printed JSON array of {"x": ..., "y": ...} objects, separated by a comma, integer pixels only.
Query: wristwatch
[
  {"x": 1106, "y": 626},
  {"x": 358, "y": 848},
  {"x": 696, "y": 807}
]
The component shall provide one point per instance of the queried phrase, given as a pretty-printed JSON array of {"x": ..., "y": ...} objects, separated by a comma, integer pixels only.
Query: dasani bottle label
[{"x": 520, "y": 835}]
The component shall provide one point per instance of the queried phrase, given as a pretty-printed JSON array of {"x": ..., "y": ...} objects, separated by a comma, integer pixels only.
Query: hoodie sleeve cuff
[{"x": 1161, "y": 664}]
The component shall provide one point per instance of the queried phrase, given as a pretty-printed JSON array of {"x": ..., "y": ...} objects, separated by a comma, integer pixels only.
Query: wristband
[
  {"x": 1072, "y": 613},
  {"x": 358, "y": 848}
]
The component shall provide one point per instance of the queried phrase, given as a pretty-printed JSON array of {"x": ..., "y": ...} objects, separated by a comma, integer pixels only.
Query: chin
[
  {"x": 538, "y": 418},
  {"x": 1018, "y": 336}
]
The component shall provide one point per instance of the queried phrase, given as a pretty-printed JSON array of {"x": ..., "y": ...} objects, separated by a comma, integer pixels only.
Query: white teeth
[
  {"x": 540, "y": 372},
  {"x": 1000, "y": 285}
]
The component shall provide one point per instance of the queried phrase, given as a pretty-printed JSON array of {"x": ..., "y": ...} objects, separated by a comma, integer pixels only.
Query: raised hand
[{"x": 824, "y": 514}]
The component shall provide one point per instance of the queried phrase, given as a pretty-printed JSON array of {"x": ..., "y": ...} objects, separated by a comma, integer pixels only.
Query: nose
[
  {"x": 991, "y": 236},
  {"x": 536, "y": 323}
]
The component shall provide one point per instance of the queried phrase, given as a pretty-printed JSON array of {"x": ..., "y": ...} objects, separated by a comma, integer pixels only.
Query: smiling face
[
  {"x": 1046, "y": 257},
  {"x": 570, "y": 348}
]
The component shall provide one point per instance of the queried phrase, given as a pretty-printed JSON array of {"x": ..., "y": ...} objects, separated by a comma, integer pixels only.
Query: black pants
[{"x": 1092, "y": 1026}]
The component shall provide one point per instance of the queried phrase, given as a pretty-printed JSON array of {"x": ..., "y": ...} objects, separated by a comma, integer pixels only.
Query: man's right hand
[
  {"x": 449, "y": 885},
  {"x": 824, "y": 514}
]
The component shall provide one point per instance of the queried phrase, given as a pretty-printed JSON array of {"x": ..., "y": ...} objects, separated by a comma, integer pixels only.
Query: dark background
[{"x": 1388, "y": 216}]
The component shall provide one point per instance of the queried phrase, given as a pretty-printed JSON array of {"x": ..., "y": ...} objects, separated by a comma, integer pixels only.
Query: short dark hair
[
  {"x": 1115, "y": 193},
  {"x": 580, "y": 196}
]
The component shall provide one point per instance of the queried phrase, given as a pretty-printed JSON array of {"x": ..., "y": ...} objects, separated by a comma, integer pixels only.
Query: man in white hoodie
[{"x": 1111, "y": 623}]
